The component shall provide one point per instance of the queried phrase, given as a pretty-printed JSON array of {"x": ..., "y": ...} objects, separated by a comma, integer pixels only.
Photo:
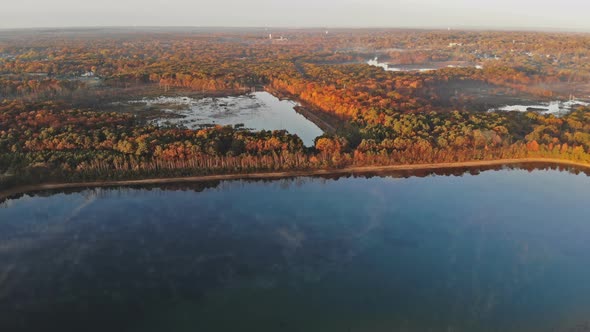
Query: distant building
[{"x": 278, "y": 39}]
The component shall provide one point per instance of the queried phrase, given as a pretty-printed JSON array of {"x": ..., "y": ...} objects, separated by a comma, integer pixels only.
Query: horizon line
[{"x": 310, "y": 27}]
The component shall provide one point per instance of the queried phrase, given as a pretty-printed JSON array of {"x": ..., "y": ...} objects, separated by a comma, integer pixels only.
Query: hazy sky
[{"x": 564, "y": 14}]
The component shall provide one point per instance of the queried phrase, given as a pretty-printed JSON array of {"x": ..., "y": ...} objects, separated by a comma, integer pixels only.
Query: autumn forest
[{"x": 59, "y": 91}]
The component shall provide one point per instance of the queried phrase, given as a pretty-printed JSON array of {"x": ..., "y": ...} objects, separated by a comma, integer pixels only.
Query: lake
[
  {"x": 505, "y": 250},
  {"x": 256, "y": 111}
]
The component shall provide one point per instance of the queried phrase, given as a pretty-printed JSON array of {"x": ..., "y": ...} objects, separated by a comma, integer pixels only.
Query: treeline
[
  {"x": 41, "y": 88},
  {"x": 46, "y": 141}
]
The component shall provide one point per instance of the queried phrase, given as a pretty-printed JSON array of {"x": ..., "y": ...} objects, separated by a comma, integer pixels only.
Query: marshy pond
[
  {"x": 557, "y": 108},
  {"x": 256, "y": 111}
]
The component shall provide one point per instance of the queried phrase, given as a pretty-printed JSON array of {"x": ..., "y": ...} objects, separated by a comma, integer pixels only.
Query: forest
[{"x": 54, "y": 85}]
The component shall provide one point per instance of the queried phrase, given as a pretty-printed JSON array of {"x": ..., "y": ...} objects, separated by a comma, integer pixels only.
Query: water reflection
[
  {"x": 256, "y": 111},
  {"x": 299, "y": 181},
  {"x": 503, "y": 250}
]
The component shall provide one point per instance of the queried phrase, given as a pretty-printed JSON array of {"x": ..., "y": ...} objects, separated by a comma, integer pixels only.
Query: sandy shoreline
[{"x": 288, "y": 174}]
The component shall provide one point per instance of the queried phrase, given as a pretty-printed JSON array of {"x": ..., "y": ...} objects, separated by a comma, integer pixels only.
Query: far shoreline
[{"x": 20, "y": 190}]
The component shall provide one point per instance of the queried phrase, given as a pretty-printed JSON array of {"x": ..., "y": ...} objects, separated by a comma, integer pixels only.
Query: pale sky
[{"x": 562, "y": 14}]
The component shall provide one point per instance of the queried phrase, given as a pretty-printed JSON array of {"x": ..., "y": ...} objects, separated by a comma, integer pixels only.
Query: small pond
[
  {"x": 556, "y": 108},
  {"x": 255, "y": 111}
]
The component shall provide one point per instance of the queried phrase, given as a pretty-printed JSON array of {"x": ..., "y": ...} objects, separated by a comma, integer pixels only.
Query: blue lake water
[{"x": 503, "y": 250}]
